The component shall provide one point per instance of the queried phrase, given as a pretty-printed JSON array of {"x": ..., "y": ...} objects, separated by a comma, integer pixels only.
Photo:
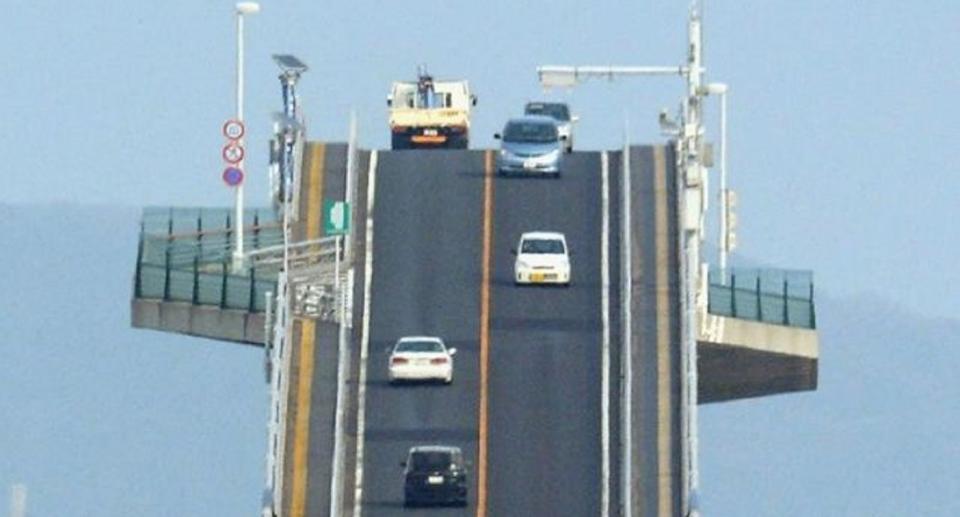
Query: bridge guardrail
[
  {"x": 184, "y": 255},
  {"x": 775, "y": 296}
]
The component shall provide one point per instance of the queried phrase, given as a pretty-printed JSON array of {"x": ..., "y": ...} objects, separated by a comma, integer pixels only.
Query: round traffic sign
[
  {"x": 232, "y": 176},
  {"x": 233, "y": 153},
  {"x": 233, "y": 129}
]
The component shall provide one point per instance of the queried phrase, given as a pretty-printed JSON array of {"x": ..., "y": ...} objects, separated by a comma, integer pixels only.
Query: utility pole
[{"x": 725, "y": 240}]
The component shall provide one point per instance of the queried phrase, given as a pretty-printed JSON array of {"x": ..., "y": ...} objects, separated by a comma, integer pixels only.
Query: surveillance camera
[{"x": 666, "y": 123}]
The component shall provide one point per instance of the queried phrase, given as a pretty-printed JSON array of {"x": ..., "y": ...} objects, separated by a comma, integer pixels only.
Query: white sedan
[
  {"x": 542, "y": 258},
  {"x": 416, "y": 358}
]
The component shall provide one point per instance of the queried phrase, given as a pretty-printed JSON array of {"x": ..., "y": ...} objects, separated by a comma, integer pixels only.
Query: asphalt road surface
[{"x": 426, "y": 280}]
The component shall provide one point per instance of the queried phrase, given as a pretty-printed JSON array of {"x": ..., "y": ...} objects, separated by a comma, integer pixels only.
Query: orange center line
[
  {"x": 301, "y": 432},
  {"x": 484, "y": 333}
]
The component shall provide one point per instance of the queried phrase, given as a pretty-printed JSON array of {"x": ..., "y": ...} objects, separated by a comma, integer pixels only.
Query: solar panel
[{"x": 289, "y": 62}]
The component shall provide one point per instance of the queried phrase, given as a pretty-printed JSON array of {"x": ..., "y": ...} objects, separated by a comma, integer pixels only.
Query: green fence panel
[
  {"x": 746, "y": 304},
  {"x": 800, "y": 313},
  {"x": 720, "y": 301},
  {"x": 210, "y": 288},
  {"x": 238, "y": 293},
  {"x": 780, "y": 297},
  {"x": 181, "y": 286},
  {"x": 151, "y": 281}
]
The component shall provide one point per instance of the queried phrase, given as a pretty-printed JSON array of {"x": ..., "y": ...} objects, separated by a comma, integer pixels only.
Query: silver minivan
[{"x": 530, "y": 145}]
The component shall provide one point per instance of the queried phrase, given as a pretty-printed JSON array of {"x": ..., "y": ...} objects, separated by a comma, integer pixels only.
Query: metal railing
[
  {"x": 185, "y": 255},
  {"x": 776, "y": 296}
]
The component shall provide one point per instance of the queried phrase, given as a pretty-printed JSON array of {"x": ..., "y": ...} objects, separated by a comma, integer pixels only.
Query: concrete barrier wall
[
  {"x": 763, "y": 337},
  {"x": 740, "y": 358},
  {"x": 198, "y": 320}
]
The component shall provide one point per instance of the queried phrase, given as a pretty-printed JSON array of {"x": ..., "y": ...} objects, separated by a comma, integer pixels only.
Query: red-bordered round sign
[
  {"x": 233, "y": 129},
  {"x": 232, "y": 153}
]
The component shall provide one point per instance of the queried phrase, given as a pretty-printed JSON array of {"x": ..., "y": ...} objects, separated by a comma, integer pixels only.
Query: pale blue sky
[{"x": 842, "y": 114}]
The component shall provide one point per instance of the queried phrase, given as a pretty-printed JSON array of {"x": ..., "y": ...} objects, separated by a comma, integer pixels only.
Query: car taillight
[
  {"x": 398, "y": 129},
  {"x": 400, "y": 360},
  {"x": 438, "y": 360}
]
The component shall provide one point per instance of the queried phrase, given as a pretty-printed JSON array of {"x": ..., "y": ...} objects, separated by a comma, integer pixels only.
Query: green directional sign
[{"x": 336, "y": 217}]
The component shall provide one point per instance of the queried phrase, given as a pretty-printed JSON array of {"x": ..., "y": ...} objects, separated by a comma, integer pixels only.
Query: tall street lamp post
[{"x": 242, "y": 8}]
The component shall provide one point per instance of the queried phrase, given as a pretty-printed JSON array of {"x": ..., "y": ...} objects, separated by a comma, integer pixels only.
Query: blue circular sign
[{"x": 232, "y": 176}]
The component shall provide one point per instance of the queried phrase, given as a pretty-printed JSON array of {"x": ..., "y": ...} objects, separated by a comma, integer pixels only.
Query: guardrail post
[
  {"x": 196, "y": 280},
  {"x": 223, "y": 283},
  {"x": 759, "y": 301},
  {"x": 253, "y": 289},
  {"x": 229, "y": 234},
  {"x": 137, "y": 280},
  {"x": 200, "y": 232},
  {"x": 813, "y": 312},
  {"x": 786, "y": 305},
  {"x": 733, "y": 294},
  {"x": 166, "y": 273},
  {"x": 256, "y": 230}
]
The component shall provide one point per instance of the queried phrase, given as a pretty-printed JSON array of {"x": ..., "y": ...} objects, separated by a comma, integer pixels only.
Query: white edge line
[
  {"x": 365, "y": 339},
  {"x": 626, "y": 429},
  {"x": 605, "y": 315}
]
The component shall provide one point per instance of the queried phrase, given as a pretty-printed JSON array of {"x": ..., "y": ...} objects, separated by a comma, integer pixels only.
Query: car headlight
[
  {"x": 504, "y": 153},
  {"x": 552, "y": 155},
  {"x": 522, "y": 265}
]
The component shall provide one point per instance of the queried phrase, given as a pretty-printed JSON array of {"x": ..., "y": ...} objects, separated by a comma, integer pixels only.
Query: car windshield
[
  {"x": 419, "y": 346},
  {"x": 542, "y": 246},
  {"x": 530, "y": 132},
  {"x": 432, "y": 460},
  {"x": 556, "y": 110}
]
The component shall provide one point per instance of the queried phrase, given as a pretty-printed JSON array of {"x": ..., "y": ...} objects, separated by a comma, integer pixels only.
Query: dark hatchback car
[{"x": 434, "y": 474}]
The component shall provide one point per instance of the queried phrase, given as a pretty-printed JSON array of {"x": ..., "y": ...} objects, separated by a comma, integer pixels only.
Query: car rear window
[
  {"x": 419, "y": 346},
  {"x": 558, "y": 111},
  {"x": 530, "y": 132},
  {"x": 542, "y": 246},
  {"x": 432, "y": 460}
]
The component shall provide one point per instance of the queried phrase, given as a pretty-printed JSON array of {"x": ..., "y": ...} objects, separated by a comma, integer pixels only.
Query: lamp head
[
  {"x": 715, "y": 89},
  {"x": 248, "y": 8}
]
